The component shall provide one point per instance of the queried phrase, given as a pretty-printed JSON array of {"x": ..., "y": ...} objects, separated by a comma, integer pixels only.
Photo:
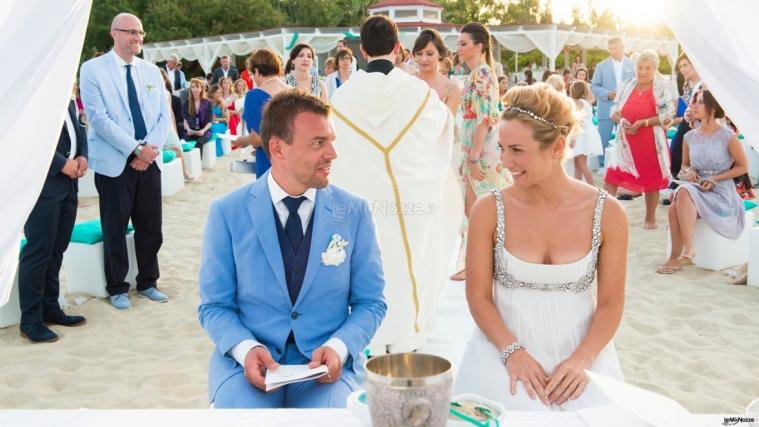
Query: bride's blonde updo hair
[{"x": 549, "y": 113}]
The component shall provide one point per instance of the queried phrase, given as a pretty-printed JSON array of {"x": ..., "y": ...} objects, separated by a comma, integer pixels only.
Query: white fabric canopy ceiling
[{"x": 549, "y": 39}]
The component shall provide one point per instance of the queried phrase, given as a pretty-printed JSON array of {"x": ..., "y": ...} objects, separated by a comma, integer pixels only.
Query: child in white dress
[{"x": 587, "y": 142}]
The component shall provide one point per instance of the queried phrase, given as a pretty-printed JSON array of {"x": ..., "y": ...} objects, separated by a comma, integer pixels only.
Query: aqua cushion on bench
[
  {"x": 188, "y": 146},
  {"x": 749, "y": 204},
  {"x": 671, "y": 132},
  {"x": 169, "y": 156},
  {"x": 91, "y": 232}
]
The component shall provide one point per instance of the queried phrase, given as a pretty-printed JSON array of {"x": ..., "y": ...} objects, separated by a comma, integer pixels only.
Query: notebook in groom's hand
[{"x": 288, "y": 374}]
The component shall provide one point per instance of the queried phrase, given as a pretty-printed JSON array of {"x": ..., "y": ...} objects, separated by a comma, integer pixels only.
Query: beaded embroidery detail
[{"x": 504, "y": 278}]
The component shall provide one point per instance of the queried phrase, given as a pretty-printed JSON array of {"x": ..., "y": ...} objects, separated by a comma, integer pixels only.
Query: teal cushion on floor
[
  {"x": 595, "y": 121},
  {"x": 741, "y": 137},
  {"x": 188, "y": 146},
  {"x": 749, "y": 204},
  {"x": 671, "y": 132},
  {"x": 169, "y": 156},
  {"x": 90, "y": 232},
  {"x": 613, "y": 136},
  {"x": 23, "y": 243}
]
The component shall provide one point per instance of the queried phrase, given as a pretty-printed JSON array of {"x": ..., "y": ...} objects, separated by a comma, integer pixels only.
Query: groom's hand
[
  {"x": 326, "y": 355},
  {"x": 257, "y": 361}
]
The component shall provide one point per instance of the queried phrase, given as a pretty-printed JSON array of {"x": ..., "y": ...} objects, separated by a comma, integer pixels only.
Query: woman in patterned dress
[
  {"x": 299, "y": 72},
  {"x": 480, "y": 167}
]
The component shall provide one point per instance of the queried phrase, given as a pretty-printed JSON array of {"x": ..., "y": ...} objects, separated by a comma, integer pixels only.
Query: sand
[{"x": 691, "y": 336}]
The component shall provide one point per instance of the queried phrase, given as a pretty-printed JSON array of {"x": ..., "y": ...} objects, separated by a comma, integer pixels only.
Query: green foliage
[{"x": 466, "y": 11}]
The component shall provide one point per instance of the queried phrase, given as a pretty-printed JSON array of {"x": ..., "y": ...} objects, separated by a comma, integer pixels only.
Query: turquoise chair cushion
[
  {"x": 91, "y": 232},
  {"x": 749, "y": 204},
  {"x": 188, "y": 146},
  {"x": 741, "y": 137},
  {"x": 23, "y": 243},
  {"x": 595, "y": 121},
  {"x": 671, "y": 133},
  {"x": 169, "y": 156}
]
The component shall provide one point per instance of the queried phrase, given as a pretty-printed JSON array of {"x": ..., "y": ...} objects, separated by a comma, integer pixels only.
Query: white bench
[
  {"x": 172, "y": 178},
  {"x": 84, "y": 268},
  {"x": 226, "y": 146},
  {"x": 714, "y": 252},
  {"x": 10, "y": 313},
  {"x": 753, "y": 257},
  {"x": 87, "y": 185},
  {"x": 192, "y": 162},
  {"x": 209, "y": 155}
]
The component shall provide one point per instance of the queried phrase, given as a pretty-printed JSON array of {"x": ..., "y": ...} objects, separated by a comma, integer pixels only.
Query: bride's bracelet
[{"x": 509, "y": 350}]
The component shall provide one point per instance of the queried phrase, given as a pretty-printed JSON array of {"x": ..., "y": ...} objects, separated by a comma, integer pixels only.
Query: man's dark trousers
[{"x": 135, "y": 195}]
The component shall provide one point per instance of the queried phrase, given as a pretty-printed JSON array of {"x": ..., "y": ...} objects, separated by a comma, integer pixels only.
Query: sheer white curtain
[
  {"x": 720, "y": 40},
  {"x": 42, "y": 40}
]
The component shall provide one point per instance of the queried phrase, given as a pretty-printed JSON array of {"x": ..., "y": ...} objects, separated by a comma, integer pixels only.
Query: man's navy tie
[
  {"x": 293, "y": 226},
  {"x": 134, "y": 107}
]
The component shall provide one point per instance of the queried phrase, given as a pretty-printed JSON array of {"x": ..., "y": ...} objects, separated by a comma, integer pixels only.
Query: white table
[{"x": 258, "y": 418}]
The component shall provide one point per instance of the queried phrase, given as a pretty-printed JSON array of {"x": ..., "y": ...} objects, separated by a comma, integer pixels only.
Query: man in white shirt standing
[
  {"x": 608, "y": 75},
  {"x": 176, "y": 76}
]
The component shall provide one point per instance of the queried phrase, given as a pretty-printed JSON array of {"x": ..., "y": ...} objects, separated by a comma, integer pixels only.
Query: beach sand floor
[{"x": 690, "y": 336}]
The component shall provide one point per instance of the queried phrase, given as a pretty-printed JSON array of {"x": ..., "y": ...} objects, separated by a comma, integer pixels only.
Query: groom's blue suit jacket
[{"x": 243, "y": 290}]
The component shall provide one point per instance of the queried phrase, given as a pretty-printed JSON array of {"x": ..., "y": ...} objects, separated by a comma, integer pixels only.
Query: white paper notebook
[{"x": 288, "y": 374}]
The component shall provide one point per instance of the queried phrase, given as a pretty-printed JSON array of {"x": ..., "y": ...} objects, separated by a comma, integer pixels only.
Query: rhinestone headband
[{"x": 533, "y": 116}]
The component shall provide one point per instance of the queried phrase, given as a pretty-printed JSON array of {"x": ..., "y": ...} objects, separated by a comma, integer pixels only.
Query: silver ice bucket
[{"x": 408, "y": 390}]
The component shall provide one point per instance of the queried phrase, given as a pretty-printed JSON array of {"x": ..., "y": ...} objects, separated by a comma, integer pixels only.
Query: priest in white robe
[{"x": 394, "y": 142}]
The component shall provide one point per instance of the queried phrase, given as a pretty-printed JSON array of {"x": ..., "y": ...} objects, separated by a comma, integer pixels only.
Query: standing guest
[
  {"x": 207, "y": 81},
  {"x": 428, "y": 51},
  {"x": 587, "y": 142},
  {"x": 330, "y": 66},
  {"x": 395, "y": 137},
  {"x": 644, "y": 107},
  {"x": 246, "y": 75},
  {"x": 556, "y": 82},
  {"x": 129, "y": 119},
  {"x": 172, "y": 139},
  {"x": 342, "y": 44},
  {"x": 503, "y": 86},
  {"x": 582, "y": 75},
  {"x": 446, "y": 66},
  {"x": 528, "y": 78},
  {"x": 176, "y": 106},
  {"x": 228, "y": 97},
  {"x": 402, "y": 62},
  {"x": 235, "y": 111},
  {"x": 197, "y": 115},
  {"x": 712, "y": 157},
  {"x": 546, "y": 266},
  {"x": 547, "y": 74},
  {"x": 343, "y": 72},
  {"x": 48, "y": 231},
  {"x": 301, "y": 60},
  {"x": 578, "y": 64},
  {"x": 480, "y": 166},
  {"x": 81, "y": 115},
  {"x": 176, "y": 76},
  {"x": 609, "y": 74},
  {"x": 567, "y": 76},
  {"x": 226, "y": 70},
  {"x": 692, "y": 84},
  {"x": 267, "y": 296},
  {"x": 266, "y": 68}
]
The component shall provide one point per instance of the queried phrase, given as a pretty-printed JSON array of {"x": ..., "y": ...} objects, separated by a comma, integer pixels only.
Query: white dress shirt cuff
[
  {"x": 241, "y": 350},
  {"x": 339, "y": 346}
]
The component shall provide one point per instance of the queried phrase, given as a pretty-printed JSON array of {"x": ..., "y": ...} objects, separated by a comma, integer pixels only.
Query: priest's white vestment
[{"x": 394, "y": 143}]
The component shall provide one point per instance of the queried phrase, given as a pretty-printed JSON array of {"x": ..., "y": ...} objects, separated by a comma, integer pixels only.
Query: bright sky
[{"x": 636, "y": 12}]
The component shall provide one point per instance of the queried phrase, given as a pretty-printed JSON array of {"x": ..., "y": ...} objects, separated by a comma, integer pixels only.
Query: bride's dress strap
[{"x": 500, "y": 222}]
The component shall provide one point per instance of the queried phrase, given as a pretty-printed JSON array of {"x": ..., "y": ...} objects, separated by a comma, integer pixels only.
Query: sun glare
[{"x": 635, "y": 12}]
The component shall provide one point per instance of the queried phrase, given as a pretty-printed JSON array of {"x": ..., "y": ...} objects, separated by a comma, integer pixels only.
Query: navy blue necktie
[
  {"x": 293, "y": 226},
  {"x": 134, "y": 107}
]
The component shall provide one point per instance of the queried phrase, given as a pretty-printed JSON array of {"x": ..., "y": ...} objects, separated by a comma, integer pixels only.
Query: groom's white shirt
[{"x": 304, "y": 211}]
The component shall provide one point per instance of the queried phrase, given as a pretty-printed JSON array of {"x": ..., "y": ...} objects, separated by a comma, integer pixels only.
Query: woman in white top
[
  {"x": 344, "y": 58},
  {"x": 587, "y": 141},
  {"x": 535, "y": 250}
]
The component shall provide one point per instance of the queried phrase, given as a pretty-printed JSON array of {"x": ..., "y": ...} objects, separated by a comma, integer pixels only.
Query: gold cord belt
[{"x": 396, "y": 193}]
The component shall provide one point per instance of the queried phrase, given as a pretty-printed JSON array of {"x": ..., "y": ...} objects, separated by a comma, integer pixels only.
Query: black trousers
[
  {"x": 48, "y": 231},
  {"x": 135, "y": 195},
  {"x": 676, "y": 149}
]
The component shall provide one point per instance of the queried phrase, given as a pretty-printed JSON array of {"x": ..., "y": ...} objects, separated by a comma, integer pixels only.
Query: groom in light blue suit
[
  {"x": 608, "y": 75},
  {"x": 291, "y": 271}
]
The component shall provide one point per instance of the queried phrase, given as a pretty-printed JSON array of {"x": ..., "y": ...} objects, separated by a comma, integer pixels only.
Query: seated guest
[
  {"x": 48, "y": 231},
  {"x": 235, "y": 110},
  {"x": 172, "y": 139},
  {"x": 330, "y": 66},
  {"x": 556, "y": 82},
  {"x": 712, "y": 157},
  {"x": 219, "y": 112},
  {"x": 176, "y": 105},
  {"x": 197, "y": 115},
  {"x": 343, "y": 73},
  {"x": 265, "y": 299},
  {"x": 266, "y": 71}
]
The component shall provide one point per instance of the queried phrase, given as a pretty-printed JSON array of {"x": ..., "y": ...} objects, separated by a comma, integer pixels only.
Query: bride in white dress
[{"x": 535, "y": 250}]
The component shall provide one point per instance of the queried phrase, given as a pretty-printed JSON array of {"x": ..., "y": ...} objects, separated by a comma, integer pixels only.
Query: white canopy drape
[
  {"x": 720, "y": 42},
  {"x": 44, "y": 40},
  {"x": 549, "y": 39}
]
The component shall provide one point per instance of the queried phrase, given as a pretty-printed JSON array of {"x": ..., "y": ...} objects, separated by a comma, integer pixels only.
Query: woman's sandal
[
  {"x": 686, "y": 259},
  {"x": 460, "y": 276},
  {"x": 668, "y": 269}
]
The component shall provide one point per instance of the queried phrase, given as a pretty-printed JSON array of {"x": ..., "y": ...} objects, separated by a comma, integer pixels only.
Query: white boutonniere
[
  {"x": 150, "y": 87},
  {"x": 335, "y": 253}
]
